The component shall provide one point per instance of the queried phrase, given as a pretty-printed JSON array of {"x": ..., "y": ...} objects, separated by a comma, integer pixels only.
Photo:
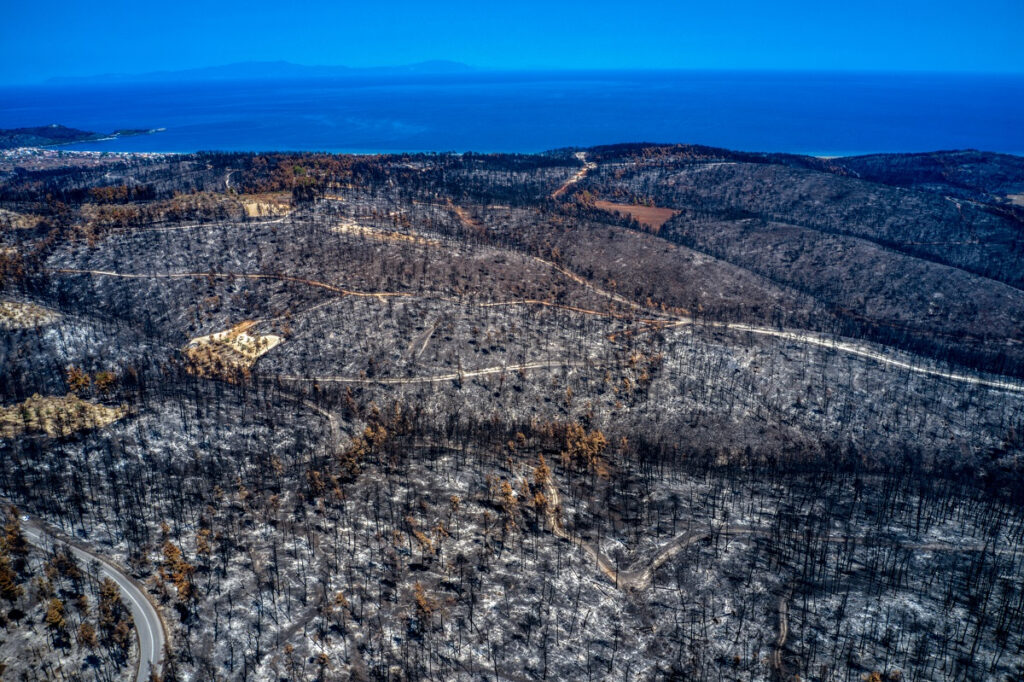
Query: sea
[{"x": 824, "y": 114}]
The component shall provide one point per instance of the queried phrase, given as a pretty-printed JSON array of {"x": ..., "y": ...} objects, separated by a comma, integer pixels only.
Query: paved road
[{"x": 148, "y": 626}]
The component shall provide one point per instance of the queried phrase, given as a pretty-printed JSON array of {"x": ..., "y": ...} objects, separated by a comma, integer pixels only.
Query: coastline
[{"x": 62, "y": 151}]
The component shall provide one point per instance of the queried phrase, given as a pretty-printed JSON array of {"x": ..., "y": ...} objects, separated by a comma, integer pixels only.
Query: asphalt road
[{"x": 148, "y": 626}]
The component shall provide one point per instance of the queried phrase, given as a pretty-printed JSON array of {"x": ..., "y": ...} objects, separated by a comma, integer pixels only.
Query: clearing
[
  {"x": 380, "y": 235},
  {"x": 56, "y": 416},
  {"x": 228, "y": 353},
  {"x": 266, "y": 205},
  {"x": 15, "y": 315},
  {"x": 651, "y": 217},
  {"x": 18, "y": 221}
]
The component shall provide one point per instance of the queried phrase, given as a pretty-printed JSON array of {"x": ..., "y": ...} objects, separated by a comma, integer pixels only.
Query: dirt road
[{"x": 580, "y": 174}]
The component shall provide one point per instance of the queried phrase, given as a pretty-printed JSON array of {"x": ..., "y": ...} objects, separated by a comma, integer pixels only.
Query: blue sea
[{"x": 822, "y": 114}]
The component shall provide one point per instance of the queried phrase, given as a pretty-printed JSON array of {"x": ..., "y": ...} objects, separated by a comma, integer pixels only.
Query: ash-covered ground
[{"x": 443, "y": 417}]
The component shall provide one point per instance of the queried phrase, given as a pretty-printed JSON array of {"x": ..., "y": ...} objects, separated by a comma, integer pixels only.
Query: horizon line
[{"x": 141, "y": 77}]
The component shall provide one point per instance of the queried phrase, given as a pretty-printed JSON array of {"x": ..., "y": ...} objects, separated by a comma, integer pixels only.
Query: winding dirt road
[
  {"x": 799, "y": 336},
  {"x": 435, "y": 378},
  {"x": 813, "y": 339},
  {"x": 580, "y": 174},
  {"x": 586, "y": 283},
  {"x": 237, "y": 275},
  {"x": 640, "y": 574},
  {"x": 780, "y": 640}
]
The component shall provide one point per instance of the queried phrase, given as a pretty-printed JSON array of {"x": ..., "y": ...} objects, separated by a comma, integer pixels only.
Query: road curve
[
  {"x": 640, "y": 574},
  {"x": 810, "y": 338},
  {"x": 148, "y": 627},
  {"x": 853, "y": 348},
  {"x": 780, "y": 641}
]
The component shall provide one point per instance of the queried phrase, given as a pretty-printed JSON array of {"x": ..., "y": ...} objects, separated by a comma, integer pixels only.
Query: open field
[
  {"x": 56, "y": 416},
  {"x": 228, "y": 353},
  {"x": 18, "y": 315},
  {"x": 650, "y": 217}
]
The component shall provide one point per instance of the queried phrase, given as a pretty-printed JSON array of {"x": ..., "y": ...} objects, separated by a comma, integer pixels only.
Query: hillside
[
  {"x": 968, "y": 174},
  {"x": 54, "y": 135},
  {"x": 631, "y": 412},
  {"x": 42, "y": 136}
]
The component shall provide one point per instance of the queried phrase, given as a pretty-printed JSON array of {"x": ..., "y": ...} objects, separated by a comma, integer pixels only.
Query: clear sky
[{"x": 72, "y": 37}]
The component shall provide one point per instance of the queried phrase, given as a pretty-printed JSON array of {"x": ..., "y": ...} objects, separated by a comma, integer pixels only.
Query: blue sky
[{"x": 65, "y": 37}]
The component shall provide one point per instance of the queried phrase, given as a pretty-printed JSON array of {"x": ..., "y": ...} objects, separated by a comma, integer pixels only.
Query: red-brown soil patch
[{"x": 650, "y": 217}]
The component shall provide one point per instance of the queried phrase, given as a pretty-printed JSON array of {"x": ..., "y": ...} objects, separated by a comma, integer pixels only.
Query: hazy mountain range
[{"x": 278, "y": 70}]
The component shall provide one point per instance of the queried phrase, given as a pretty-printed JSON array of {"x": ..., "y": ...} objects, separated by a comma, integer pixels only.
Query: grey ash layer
[{"x": 781, "y": 431}]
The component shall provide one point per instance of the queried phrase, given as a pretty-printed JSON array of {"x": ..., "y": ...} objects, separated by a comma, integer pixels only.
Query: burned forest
[{"x": 634, "y": 412}]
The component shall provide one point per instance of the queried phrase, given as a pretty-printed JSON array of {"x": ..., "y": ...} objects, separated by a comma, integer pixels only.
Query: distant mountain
[
  {"x": 51, "y": 135},
  {"x": 279, "y": 70}
]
